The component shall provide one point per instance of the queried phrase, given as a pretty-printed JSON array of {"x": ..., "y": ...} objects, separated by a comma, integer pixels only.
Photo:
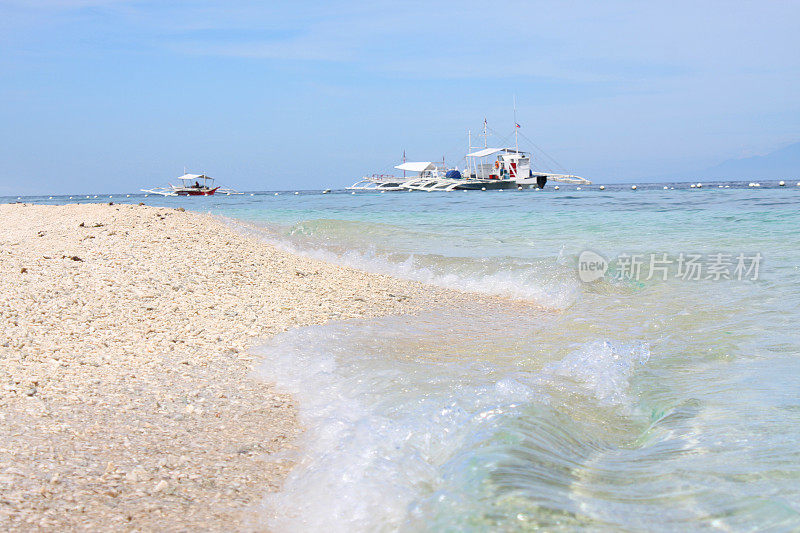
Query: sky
[{"x": 111, "y": 96}]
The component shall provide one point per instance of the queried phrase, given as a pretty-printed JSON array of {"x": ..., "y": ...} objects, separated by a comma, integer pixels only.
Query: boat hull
[
  {"x": 196, "y": 192},
  {"x": 489, "y": 185},
  {"x": 390, "y": 186}
]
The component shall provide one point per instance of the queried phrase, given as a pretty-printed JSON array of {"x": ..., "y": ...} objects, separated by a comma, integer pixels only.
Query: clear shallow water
[{"x": 635, "y": 404}]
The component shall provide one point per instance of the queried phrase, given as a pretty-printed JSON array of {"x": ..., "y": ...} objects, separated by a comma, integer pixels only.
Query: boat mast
[
  {"x": 516, "y": 141},
  {"x": 469, "y": 150}
]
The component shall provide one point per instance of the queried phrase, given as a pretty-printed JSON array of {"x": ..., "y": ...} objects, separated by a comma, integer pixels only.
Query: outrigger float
[
  {"x": 378, "y": 182},
  {"x": 191, "y": 185}
]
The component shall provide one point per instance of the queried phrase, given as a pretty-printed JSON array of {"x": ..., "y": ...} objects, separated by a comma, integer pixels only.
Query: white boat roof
[
  {"x": 195, "y": 177},
  {"x": 485, "y": 152},
  {"x": 416, "y": 166}
]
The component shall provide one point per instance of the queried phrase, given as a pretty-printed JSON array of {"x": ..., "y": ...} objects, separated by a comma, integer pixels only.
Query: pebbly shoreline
[{"x": 126, "y": 395}]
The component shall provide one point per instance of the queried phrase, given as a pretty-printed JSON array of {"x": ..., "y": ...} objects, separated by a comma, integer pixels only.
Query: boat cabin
[
  {"x": 509, "y": 163},
  {"x": 424, "y": 169},
  {"x": 196, "y": 181}
]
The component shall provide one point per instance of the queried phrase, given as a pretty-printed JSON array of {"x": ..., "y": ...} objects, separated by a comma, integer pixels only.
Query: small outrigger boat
[{"x": 191, "y": 185}]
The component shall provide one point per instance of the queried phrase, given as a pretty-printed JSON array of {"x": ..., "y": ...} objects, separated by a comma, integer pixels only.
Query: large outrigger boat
[
  {"x": 486, "y": 169},
  {"x": 191, "y": 185}
]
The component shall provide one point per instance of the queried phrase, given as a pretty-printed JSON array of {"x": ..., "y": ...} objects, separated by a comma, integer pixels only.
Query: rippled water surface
[{"x": 625, "y": 403}]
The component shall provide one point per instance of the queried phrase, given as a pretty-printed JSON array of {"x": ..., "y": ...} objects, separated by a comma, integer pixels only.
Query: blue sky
[{"x": 115, "y": 95}]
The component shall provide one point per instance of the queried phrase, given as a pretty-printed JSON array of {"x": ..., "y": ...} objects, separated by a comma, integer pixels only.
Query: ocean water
[{"x": 664, "y": 395}]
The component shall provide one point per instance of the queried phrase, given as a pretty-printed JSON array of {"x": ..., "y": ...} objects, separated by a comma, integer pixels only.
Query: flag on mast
[{"x": 517, "y": 124}]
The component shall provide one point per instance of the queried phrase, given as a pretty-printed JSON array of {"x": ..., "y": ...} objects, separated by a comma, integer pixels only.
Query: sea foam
[{"x": 551, "y": 285}]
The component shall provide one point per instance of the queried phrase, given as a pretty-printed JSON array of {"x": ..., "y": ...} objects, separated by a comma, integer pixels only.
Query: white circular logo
[{"x": 591, "y": 266}]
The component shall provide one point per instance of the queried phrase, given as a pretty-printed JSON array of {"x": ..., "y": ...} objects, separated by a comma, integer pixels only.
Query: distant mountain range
[{"x": 783, "y": 163}]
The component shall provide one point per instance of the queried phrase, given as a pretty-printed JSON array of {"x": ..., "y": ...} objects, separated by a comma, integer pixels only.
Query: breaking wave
[
  {"x": 550, "y": 282},
  {"x": 395, "y": 439}
]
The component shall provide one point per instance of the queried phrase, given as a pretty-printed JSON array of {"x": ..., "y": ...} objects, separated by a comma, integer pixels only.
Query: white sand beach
[{"x": 126, "y": 395}]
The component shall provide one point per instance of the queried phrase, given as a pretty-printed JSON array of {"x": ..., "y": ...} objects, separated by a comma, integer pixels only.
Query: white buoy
[
  {"x": 127, "y": 196},
  {"x": 382, "y": 192},
  {"x": 20, "y": 197},
  {"x": 727, "y": 186},
  {"x": 353, "y": 192},
  {"x": 71, "y": 196},
  {"x": 296, "y": 192},
  {"x": 577, "y": 188},
  {"x": 692, "y": 185},
  {"x": 633, "y": 187},
  {"x": 251, "y": 194},
  {"x": 556, "y": 187},
  {"x": 519, "y": 187},
  {"x": 50, "y": 198},
  {"x": 758, "y": 184},
  {"x": 798, "y": 183},
  {"x": 672, "y": 188},
  {"x": 665, "y": 187},
  {"x": 326, "y": 191},
  {"x": 781, "y": 183},
  {"x": 751, "y": 184},
  {"x": 276, "y": 194},
  {"x": 95, "y": 196},
  {"x": 483, "y": 188},
  {"x": 699, "y": 185},
  {"x": 720, "y": 186},
  {"x": 602, "y": 187}
]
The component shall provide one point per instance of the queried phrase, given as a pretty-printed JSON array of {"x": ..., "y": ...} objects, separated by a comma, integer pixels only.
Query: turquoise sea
[{"x": 662, "y": 396}]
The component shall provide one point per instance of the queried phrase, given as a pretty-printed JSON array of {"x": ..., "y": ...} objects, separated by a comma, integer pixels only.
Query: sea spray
[{"x": 603, "y": 368}]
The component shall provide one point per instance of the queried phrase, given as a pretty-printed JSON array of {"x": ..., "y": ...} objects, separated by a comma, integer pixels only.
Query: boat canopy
[
  {"x": 485, "y": 152},
  {"x": 417, "y": 166},
  {"x": 194, "y": 177}
]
